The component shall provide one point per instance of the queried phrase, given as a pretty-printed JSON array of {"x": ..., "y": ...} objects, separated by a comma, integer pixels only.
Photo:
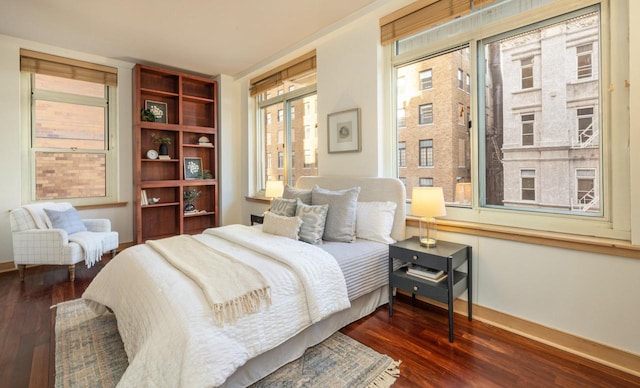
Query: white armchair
[{"x": 36, "y": 240}]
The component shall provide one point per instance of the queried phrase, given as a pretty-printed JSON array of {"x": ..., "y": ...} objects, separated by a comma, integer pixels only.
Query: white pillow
[
  {"x": 374, "y": 221},
  {"x": 281, "y": 225}
]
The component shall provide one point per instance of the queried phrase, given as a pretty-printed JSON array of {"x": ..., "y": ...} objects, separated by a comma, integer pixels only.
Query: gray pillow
[
  {"x": 69, "y": 220},
  {"x": 313, "y": 221},
  {"x": 341, "y": 218},
  {"x": 291, "y": 192},
  {"x": 283, "y": 207}
]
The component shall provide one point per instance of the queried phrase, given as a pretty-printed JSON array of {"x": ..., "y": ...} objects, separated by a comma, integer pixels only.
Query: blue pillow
[{"x": 69, "y": 220}]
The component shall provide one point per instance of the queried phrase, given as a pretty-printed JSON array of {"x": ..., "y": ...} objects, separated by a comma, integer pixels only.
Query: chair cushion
[{"x": 69, "y": 220}]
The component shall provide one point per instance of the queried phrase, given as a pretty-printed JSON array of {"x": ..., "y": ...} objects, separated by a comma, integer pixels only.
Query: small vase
[
  {"x": 188, "y": 207},
  {"x": 163, "y": 150}
]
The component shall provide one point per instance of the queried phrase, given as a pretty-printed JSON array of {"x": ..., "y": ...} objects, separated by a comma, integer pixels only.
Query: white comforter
[{"x": 167, "y": 327}]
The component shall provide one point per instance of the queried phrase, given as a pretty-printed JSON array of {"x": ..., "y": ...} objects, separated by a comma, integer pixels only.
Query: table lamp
[
  {"x": 274, "y": 189},
  {"x": 428, "y": 203}
]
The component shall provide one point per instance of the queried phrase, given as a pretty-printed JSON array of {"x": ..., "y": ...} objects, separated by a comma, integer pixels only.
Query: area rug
[{"x": 90, "y": 353}]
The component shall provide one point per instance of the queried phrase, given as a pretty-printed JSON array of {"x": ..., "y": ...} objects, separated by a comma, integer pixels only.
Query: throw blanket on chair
[
  {"x": 232, "y": 288},
  {"x": 91, "y": 245}
]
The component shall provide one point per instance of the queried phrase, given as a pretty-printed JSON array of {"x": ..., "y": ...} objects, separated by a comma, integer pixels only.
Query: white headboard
[{"x": 371, "y": 189}]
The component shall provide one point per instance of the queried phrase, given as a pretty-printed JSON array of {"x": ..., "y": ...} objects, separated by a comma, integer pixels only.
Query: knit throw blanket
[{"x": 232, "y": 288}]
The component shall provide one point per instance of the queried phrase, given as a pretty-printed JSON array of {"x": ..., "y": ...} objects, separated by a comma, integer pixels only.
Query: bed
[{"x": 165, "y": 318}]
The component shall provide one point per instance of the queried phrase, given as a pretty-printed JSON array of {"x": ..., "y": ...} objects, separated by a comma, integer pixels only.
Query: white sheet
[{"x": 166, "y": 325}]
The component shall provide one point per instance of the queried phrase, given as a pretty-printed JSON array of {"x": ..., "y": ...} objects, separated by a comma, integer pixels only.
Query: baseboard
[
  {"x": 583, "y": 347},
  {"x": 10, "y": 266}
]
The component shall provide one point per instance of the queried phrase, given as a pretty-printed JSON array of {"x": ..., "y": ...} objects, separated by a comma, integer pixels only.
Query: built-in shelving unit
[{"x": 191, "y": 113}]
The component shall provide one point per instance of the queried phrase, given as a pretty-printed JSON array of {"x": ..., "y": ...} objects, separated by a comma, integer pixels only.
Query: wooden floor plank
[{"x": 417, "y": 334}]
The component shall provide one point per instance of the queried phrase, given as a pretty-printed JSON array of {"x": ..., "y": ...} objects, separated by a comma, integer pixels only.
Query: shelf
[{"x": 191, "y": 112}]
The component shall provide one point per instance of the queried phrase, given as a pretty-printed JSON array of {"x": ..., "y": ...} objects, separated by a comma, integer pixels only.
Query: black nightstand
[
  {"x": 257, "y": 219},
  {"x": 444, "y": 256}
]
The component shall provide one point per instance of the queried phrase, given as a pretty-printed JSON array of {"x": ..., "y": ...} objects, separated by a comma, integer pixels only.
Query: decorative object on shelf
[
  {"x": 190, "y": 197},
  {"x": 158, "y": 109},
  {"x": 147, "y": 115},
  {"x": 192, "y": 168},
  {"x": 152, "y": 154},
  {"x": 344, "y": 131},
  {"x": 428, "y": 203},
  {"x": 154, "y": 200},
  {"x": 207, "y": 174},
  {"x": 163, "y": 141},
  {"x": 204, "y": 141}
]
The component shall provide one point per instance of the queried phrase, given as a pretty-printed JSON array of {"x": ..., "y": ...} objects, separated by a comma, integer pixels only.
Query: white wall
[
  {"x": 10, "y": 148},
  {"x": 589, "y": 295}
]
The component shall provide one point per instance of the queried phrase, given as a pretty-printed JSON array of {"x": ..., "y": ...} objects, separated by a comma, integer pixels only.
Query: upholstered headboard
[{"x": 371, "y": 189}]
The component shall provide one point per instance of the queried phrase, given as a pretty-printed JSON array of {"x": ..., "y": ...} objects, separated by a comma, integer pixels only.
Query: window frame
[
  {"x": 615, "y": 220},
  {"x": 29, "y": 151}
]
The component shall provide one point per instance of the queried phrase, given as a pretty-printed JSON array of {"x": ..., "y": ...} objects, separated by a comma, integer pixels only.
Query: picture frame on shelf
[
  {"x": 343, "y": 131},
  {"x": 159, "y": 110},
  {"x": 193, "y": 168}
]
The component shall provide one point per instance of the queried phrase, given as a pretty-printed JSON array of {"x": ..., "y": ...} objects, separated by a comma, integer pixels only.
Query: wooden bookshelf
[{"x": 191, "y": 113}]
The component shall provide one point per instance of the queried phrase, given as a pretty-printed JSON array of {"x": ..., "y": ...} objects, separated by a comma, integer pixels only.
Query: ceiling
[{"x": 205, "y": 36}]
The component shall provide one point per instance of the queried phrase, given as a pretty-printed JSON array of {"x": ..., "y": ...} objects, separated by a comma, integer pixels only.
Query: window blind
[
  {"x": 277, "y": 76},
  {"x": 40, "y": 63},
  {"x": 423, "y": 14}
]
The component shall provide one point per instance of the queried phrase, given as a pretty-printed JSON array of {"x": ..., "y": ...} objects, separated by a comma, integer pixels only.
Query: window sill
[
  {"x": 258, "y": 199},
  {"x": 607, "y": 246}
]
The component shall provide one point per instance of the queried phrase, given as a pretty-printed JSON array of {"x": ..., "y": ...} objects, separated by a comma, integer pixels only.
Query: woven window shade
[
  {"x": 277, "y": 76},
  {"x": 423, "y": 14},
  {"x": 40, "y": 63}
]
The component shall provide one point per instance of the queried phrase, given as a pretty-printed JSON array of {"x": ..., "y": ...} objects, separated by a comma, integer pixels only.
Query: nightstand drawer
[
  {"x": 419, "y": 258},
  {"x": 432, "y": 290}
]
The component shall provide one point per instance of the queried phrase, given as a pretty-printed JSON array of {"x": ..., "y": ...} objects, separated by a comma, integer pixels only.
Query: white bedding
[{"x": 172, "y": 341}]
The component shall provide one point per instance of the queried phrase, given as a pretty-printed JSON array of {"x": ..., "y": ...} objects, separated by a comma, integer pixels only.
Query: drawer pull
[
  {"x": 415, "y": 257},
  {"x": 415, "y": 288}
]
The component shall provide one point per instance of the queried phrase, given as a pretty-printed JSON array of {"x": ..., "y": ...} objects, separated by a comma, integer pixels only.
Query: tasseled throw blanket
[{"x": 232, "y": 288}]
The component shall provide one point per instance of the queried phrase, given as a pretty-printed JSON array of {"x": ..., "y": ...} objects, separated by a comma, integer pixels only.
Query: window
[
  {"x": 528, "y": 185},
  {"x": 584, "y": 60},
  {"x": 468, "y": 83},
  {"x": 297, "y": 118},
  {"x": 460, "y": 73},
  {"x": 539, "y": 80},
  {"x": 415, "y": 141},
  {"x": 269, "y": 160},
  {"x": 426, "y": 81},
  {"x": 426, "y": 114},
  {"x": 526, "y": 71},
  {"x": 426, "y": 182},
  {"x": 71, "y": 128},
  {"x": 268, "y": 118},
  {"x": 527, "y": 129},
  {"x": 504, "y": 99},
  {"x": 585, "y": 127},
  {"x": 426, "y": 153},
  {"x": 402, "y": 154}
]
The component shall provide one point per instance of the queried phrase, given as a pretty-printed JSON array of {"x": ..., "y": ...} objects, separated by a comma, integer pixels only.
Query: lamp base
[{"x": 427, "y": 242}]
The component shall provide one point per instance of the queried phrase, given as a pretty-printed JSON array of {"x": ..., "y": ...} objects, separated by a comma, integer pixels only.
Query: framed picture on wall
[
  {"x": 343, "y": 131},
  {"x": 192, "y": 168},
  {"x": 159, "y": 110}
]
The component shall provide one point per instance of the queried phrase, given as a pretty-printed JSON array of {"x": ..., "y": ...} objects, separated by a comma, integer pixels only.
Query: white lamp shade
[
  {"x": 274, "y": 189},
  {"x": 428, "y": 202}
]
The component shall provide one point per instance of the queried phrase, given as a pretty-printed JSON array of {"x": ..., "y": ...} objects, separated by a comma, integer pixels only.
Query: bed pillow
[
  {"x": 374, "y": 221},
  {"x": 341, "y": 218},
  {"x": 291, "y": 192},
  {"x": 283, "y": 207},
  {"x": 281, "y": 225},
  {"x": 313, "y": 222},
  {"x": 69, "y": 220}
]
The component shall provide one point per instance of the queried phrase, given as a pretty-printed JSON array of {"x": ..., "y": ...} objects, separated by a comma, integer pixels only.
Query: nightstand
[
  {"x": 445, "y": 256},
  {"x": 257, "y": 219}
]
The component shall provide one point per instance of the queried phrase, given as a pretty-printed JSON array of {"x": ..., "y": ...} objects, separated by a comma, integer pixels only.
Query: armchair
[{"x": 36, "y": 240}]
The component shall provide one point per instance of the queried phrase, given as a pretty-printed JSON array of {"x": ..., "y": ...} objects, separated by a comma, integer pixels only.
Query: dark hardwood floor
[{"x": 481, "y": 356}]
